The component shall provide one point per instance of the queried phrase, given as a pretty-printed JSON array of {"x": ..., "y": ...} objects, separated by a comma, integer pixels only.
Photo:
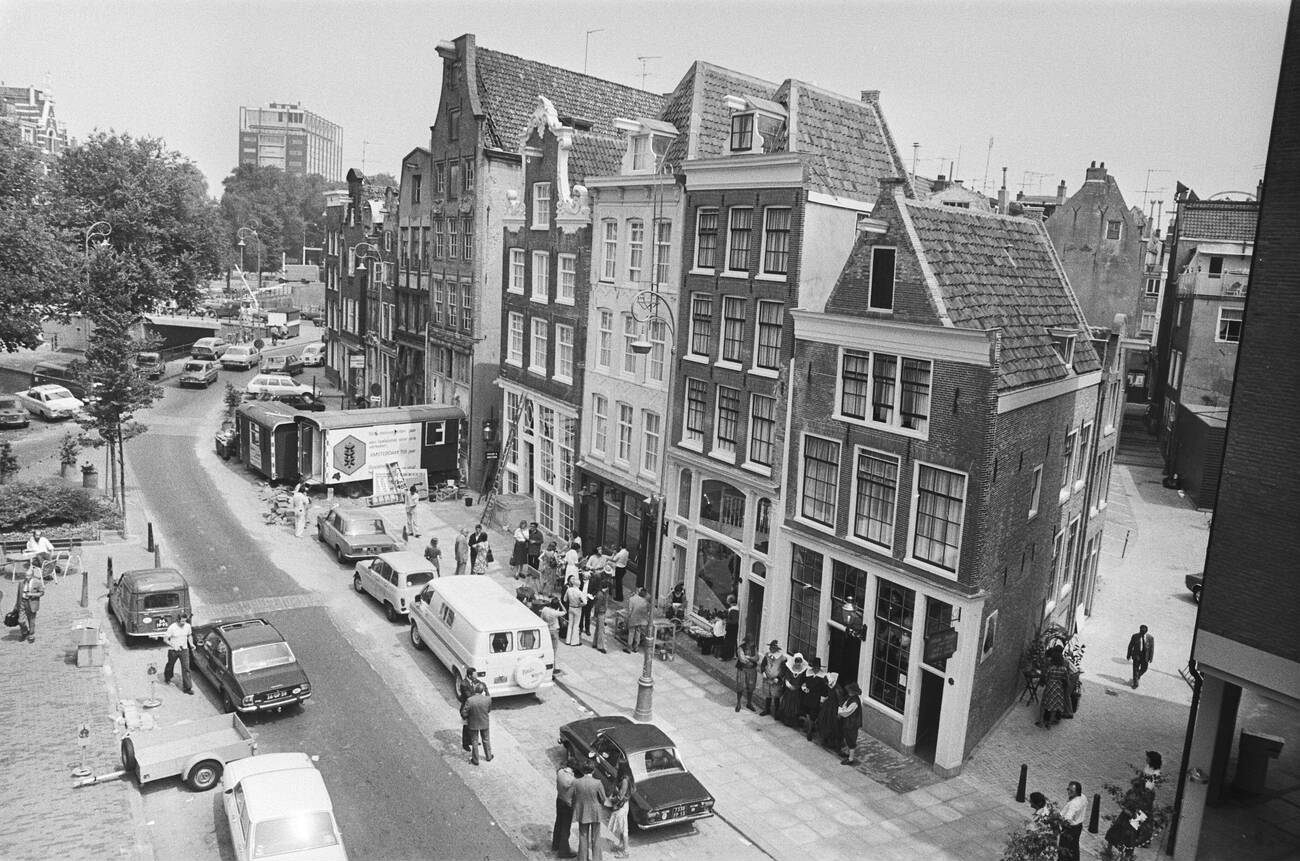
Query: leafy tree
[{"x": 287, "y": 211}]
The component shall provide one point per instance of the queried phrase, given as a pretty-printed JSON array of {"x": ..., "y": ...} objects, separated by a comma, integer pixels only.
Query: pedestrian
[
  {"x": 618, "y": 810},
  {"x": 565, "y": 780},
  {"x": 675, "y": 603},
  {"x": 792, "y": 679},
  {"x": 828, "y": 718},
  {"x": 638, "y": 620},
  {"x": 464, "y": 690},
  {"x": 599, "y": 605},
  {"x": 551, "y": 614},
  {"x": 771, "y": 666},
  {"x": 619, "y": 561},
  {"x": 29, "y": 604},
  {"x": 746, "y": 673},
  {"x": 462, "y": 551},
  {"x": 850, "y": 714},
  {"x": 731, "y": 629},
  {"x": 519, "y": 553},
  {"x": 550, "y": 567},
  {"x": 300, "y": 501},
  {"x": 475, "y": 711},
  {"x": 1055, "y": 700},
  {"x": 1042, "y": 811},
  {"x": 434, "y": 554},
  {"x": 412, "y": 502},
  {"x": 480, "y": 551},
  {"x": 1072, "y": 814},
  {"x": 1141, "y": 651},
  {"x": 575, "y": 598},
  {"x": 588, "y": 799},
  {"x": 535, "y": 539},
  {"x": 179, "y": 638},
  {"x": 572, "y": 558},
  {"x": 816, "y": 687},
  {"x": 39, "y": 548},
  {"x": 590, "y": 586}
]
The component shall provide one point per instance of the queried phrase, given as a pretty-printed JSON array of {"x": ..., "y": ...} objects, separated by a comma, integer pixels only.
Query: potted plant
[{"x": 68, "y": 451}]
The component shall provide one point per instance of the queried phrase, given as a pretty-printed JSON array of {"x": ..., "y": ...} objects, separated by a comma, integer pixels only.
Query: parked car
[
  {"x": 663, "y": 791},
  {"x": 393, "y": 579},
  {"x": 197, "y": 372},
  {"x": 208, "y": 348},
  {"x": 313, "y": 355},
  {"x": 148, "y": 600},
  {"x": 290, "y": 364},
  {"x": 277, "y": 806},
  {"x": 250, "y": 665},
  {"x": 151, "y": 364},
  {"x": 275, "y": 384},
  {"x": 1194, "y": 583},
  {"x": 63, "y": 371},
  {"x": 242, "y": 356},
  {"x": 356, "y": 534},
  {"x": 12, "y": 413},
  {"x": 50, "y": 402},
  {"x": 303, "y": 401}
]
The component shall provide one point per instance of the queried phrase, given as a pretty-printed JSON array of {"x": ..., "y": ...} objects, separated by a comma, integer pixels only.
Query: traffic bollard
[
  {"x": 149, "y": 541},
  {"x": 1094, "y": 821},
  {"x": 108, "y": 580},
  {"x": 85, "y": 588},
  {"x": 1020, "y": 787},
  {"x": 157, "y": 555}
]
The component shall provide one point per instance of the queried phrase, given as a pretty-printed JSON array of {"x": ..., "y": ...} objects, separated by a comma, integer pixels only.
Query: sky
[{"x": 1160, "y": 91}]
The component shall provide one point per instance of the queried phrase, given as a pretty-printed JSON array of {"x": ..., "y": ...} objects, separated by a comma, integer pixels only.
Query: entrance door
[
  {"x": 927, "y": 717},
  {"x": 845, "y": 652},
  {"x": 753, "y": 612}
]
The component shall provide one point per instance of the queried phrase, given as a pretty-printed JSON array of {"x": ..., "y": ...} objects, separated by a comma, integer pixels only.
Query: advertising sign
[{"x": 355, "y": 454}]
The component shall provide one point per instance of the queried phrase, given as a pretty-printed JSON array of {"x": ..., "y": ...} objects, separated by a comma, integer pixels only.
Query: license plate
[
  {"x": 499, "y": 680},
  {"x": 679, "y": 810},
  {"x": 275, "y": 695}
]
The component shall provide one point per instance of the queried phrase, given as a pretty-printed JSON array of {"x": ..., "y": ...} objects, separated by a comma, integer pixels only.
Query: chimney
[
  {"x": 871, "y": 97},
  {"x": 939, "y": 184},
  {"x": 1259, "y": 191},
  {"x": 1002, "y": 193},
  {"x": 1060, "y": 193}
]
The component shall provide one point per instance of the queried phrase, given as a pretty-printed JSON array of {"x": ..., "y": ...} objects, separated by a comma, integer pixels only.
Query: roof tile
[{"x": 1218, "y": 220}]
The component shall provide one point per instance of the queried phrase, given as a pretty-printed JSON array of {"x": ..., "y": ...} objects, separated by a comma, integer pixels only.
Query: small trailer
[
  {"x": 268, "y": 439},
  {"x": 196, "y": 751}
]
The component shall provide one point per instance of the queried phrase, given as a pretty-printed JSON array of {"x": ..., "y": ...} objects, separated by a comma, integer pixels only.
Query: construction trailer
[{"x": 268, "y": 439}]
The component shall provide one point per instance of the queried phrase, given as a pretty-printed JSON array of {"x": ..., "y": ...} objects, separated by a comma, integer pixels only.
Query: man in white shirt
[
  {"x": 300, "y": 504},
  {"x": 1073, "y": 813},
  {"x": 619, "y": 561},
  {"x": 179, "y": 639},
  {"x": 40, "y": 548}
]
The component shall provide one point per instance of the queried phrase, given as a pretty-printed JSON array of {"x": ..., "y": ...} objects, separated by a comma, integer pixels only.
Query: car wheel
[
  {"x": 456, "y": 679},
  {"x": 356, "y": 583},
  {"x": 338, "y": 554},
  {"x": 128, "y": 754},
  {"x": 1196, "y": 595},
  {"x": 204, "y": 776},
  {"x": 391, "y": 612},
  {"x": 416, "y": 640}
]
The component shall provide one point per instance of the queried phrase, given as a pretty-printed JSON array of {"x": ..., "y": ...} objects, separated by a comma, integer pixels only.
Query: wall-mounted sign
[{"x": 940, "y": 646}]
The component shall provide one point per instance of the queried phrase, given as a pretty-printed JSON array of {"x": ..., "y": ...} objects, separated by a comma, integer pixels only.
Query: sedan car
[
  {"x": 290, "y": 364},
  {"x": 244, "y": 356},
  {"x": 277, "y": 806},
  {"x": 313, "y": 355},
  {"x": 151, "y": 364},
  {"x": 274, "y": 384},
  {"x": 357, "y": 534},
  {"x": 12, "y": 413},
  {"x": 393, "y": 579},
  {"x": 250, "y": 665},
  {"x": 196, "y": 372},
  {"x": 301, "y": 401},
  {"x": 663, "y": 791},
  {"x": 50, "y": 402}
]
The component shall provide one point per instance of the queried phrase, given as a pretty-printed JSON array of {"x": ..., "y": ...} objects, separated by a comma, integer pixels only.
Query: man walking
[
  {"x": 1076, "y": 806},
  {"x": 300, "y": 503},
  {"x": 475, "y": 711},
  {"x": 599, "y": 605},
  {"x": 535, "y": 545},
  {"x": 412, "y": 502},
  {"x": 771, "y": 666},
  {"x": 565, "y": 781},
  {"x": 462, "y": 551},
  {"x": 434, "y": 554},
  {"x": 588, "y": 799},
  {"x": 850, "y": 715},
  {"x": 619, "y": 561},
  {"x": 1141, "y": 651},
  {"x": 179, "y": 639},
  {"x": 29, "y": 604},
  {"x": 638, "y": 620}
]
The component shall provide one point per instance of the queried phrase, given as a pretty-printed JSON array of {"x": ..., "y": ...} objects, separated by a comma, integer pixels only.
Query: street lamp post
[
  {"x": 98, "y": 230},
  {"x": 650, "y": 308},
  {"x": 253, "y": 233}
]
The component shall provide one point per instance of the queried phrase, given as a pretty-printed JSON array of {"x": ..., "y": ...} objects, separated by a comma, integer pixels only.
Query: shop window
[
  {"x": 848, "y": 586},
  {"x": 805, "y": 601},
  {"x": 717, "y": 575},
  {"x": 722, "y": 508},
  {"x": 892, "y": 644},
  {"x": 938, "y": 617},
  {"x": 762, "y": 524},
  {"x": 684, "y": 494}
]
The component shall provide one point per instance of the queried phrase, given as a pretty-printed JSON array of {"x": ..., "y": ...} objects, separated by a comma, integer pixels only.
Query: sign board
[
  {"x": 491, "y": 455},
  {"x": 940, "y": 646},
  {"x": 357, "y": 360},
  {"x": 361, "y": 451}
]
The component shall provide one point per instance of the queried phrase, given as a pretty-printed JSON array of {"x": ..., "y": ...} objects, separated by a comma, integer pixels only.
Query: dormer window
[
  {"x": 742, "y": 132},
  {"x": 642, "y": 157},
  {"x": 755, "y": 123},
  {"x": 1063, "y": 343},
  {"x": 648, "y": 141}
]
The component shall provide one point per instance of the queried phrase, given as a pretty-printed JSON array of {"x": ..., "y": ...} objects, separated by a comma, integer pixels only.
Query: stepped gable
[
  {"x": 845, "y": 144},
  {"x": 508, "y": 87},
  {"x": 1218, "y": 220},
  {"x": 995, "y": 271}
]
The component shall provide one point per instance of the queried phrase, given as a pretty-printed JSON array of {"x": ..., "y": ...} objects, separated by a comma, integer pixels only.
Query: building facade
[
  {"x": 411, "y": 290},
  {"x": 951, "y": 427},
  {"x": 292, "y": 138},
  {"x": 32, "y": 111}
]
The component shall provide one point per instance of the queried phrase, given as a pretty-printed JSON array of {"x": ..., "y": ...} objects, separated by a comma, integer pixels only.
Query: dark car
[
  {"x": 1194, "y": 582},
  {"x": 304, "y": 401},
  {"x": 663, "y": 791},
  {"x": 148, "y": 600},
  {"x": 151, "y": 364},
  {"x": 250, "y": 665},
  {"x": 12, "y": 413},
  {"x": 291, "y": 364},
  {"x": 358, "y": 534}
]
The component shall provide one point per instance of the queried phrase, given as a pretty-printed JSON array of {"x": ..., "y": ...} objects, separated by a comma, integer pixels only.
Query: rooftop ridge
[{"x": 566, "y": 69}]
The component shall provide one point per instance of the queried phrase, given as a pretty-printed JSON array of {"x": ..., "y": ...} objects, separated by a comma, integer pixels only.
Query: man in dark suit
[
  {"x": 1141, "y": 651},
  {"x": 816, "y": 687},
  {"x": 475, "y": 712},
  {"x": 588, "y": 800},
  {"x": 565, "y": 781}
]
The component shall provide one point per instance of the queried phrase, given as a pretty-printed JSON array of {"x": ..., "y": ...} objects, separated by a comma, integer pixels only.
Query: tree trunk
[{"x": 121, "y": 456}]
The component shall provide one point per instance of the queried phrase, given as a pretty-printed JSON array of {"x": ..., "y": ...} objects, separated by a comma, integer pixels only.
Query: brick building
[
  {"x": 32, "y": 111},
  {"x": 951, "y": 429},
  {"x": 413, "y": 217},
  {"x": 1210, "y": 248},
  {"x": 1250, "y": 607},
  {"x": 776, "y": 180}
]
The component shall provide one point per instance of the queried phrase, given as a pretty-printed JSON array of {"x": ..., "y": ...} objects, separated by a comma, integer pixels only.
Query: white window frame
[
  {"x": 1240, "y": 321},
  {"x": 751, "y": 464},
  {"x": 695, "y": 252},
  {"x": 605, "y": 339},
  {"x": 1035, "y": 492},
  {"x": 702, "y": 297},
  {"x": 623, "y": 432},
  {"x": 515, "y": 339},
  {"x": 540, "y": 289},
  {"x": 651, "y": 442},
  {"x": 563, "y": 353},
  {"x": 726, "y": 262},
  {"x": 799, "y": 486},
  {"x": 539, "y": 337},
  {"x": 852, "y": 533},
  {"x": 566, "y": 280},
  {"x": 541, "y": 206},
  {"x": 738, "y": 327},
  {"x": 630, "y": 335},
  {"x": 721, "y": 449},
  {"x": 691, "y": 438},
  {"x": 763, "y": 273},
  {"x": 518, "y": 262},
  {"x": 662, "y": 244},
  {"x": 657, "y": 361},
  {"x": 756, "y": 367},
  {"x": 895, "y": 423},
  {"x": 910, "y": 557},
  {"x": 643, "y": 154},
  {"x": 635, "y": 250},
  {"x": 609, "y": 250},
  {"x": 599, "y": 424}
]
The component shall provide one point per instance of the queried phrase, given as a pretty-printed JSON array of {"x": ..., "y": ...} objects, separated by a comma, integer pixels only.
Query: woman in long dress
[
  {"x": 519, "y": 554},
  {"x": 1055, "y": 696},
  {"x": 792, "y": 678},
  {"x": 828, "y": 719}
]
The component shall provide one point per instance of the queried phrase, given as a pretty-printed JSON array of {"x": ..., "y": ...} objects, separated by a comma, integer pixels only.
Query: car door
[
  {"x": 375, "y": 577},
  {"x": 334, "y": 529},
  {"x": 608, "y": 761}
]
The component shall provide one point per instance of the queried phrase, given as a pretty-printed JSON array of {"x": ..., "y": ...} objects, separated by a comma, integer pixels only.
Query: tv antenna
[
  {"x": 586, "y": 48},
  {"x": 1146, "y": 187},
  {"x": 643, "y": 60}
]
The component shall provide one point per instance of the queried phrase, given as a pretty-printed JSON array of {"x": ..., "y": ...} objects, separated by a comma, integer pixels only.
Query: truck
[{"x": 353, "y": 451}]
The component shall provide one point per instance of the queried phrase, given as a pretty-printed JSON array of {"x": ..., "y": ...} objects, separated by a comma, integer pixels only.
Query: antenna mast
[
  {"x": 643, "y": 60},
  {"x": 987, "y": 159},
  {"x": 586, "y": 48}
]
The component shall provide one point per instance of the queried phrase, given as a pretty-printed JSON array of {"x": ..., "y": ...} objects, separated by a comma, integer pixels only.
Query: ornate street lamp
[
  {"x": 253, "y": 233},
  {"x": 99, "y": 230}
]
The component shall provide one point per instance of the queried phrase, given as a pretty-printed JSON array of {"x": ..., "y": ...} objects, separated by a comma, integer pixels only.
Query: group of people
[
  {"x": 1061, "y": 826},
  {"x": 1131, "y": 827},
  {"x": 475, "y": 708},
  {"x": 799, "y": 694},
  {"x": 580, "y": 797}
]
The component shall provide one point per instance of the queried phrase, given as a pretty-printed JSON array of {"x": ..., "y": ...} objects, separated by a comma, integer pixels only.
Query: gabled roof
[
  {"x": 845, "y": 143},
  {"x": 594, "y": 155},
  {"x": 1218, "y": 220},
  {"x": 698, "y": 110},
  {"x": 508, "y": 87}
]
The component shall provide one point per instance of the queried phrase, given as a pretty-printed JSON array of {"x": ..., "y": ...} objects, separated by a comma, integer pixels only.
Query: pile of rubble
[{"x": 279, "y": 505}]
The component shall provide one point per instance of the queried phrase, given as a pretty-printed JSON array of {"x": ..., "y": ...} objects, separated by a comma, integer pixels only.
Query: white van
[{"x": 472, "y": 621}]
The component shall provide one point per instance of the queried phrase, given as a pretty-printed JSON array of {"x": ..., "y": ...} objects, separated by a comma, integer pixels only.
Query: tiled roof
[
  {"x": 995, "y": 271},
  {"x": 844, "y": 143},
  {"x": 700, "y": 94},
  {"x": 1218, "y": 220},
  {"x": 508, "y": 88},
  {"x": 594, "y": 155}
]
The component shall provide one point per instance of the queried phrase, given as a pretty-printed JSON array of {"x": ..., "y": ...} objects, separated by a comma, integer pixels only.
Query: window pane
[
  {"x": 663, "y": 249},
  {"x": 821, "y": 465},
  {"x": 728, "y": 418},
  {"x": 762, "y": 429},
  {"x": 883, "y": 371},
  {"x": 776, "y": 242},
  {"x": 805, "y": 601},
  {"x": 875, "y": 497},
  {"x": 848, "y": 585},
  {"x": 695, "y": 406},
  {"x": 891, "y": 645},
  {"x": 914, "y": 406},
  {"x": 706, "y": 239},
  {"x": 650, "y": 445},
  {"x": 855, "y": 382},
  {"x": 882, "y": 279},
  {"x": 940, "y": 504},
  {"x": 768, "y": 352},
  {"x": 635, "y": 249},
  {"x": 567, "y": 286},
  {"x": 606, "y": 347},
  {"x": 609, "y": 251},
  {"x": 733, "y": 328},
  {"x": 701, "y": 325},
  {"x": 738, "y": 238}
]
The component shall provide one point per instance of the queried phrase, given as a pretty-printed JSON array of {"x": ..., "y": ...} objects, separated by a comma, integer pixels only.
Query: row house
[
  {"x": 951, "y": 427},
  {"x": 474, "y": 154},
  {"x": 411, "y": 288},
  {"x": 1210, "y": 248},
  {"x": 776, "y": 178},
  {"x": 358, "y": 262}
]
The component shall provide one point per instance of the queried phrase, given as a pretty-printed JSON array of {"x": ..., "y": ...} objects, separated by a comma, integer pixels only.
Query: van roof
[{"x": 499, "y": 608}]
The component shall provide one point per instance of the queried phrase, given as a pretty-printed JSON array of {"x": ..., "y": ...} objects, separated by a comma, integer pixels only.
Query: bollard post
[
  {"x": 1020, "y": 787},
  {"x": 108, "y": 580},
  {"x": 157, "y": 555},
  {"x": 1094, "y": 820},
  {"x": 85, "y": 588},
  {"x": 149, "y": 542}
]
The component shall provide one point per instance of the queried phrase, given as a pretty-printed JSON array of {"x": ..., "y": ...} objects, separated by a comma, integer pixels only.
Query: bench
[{"x": 15, "y": 562}]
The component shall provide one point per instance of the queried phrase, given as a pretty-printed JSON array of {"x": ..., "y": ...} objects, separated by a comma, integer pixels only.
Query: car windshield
[
  {"x": 56, "y": 393},
  {"x": 652, "y": 763},
  {"x": 274, "y": 360},
  {"x": 418, "y": 578},
  {"x": 298, "y": 833},
  {"x": 363, "y": 526},
  {"x": 148, "y": 358},
  {"x": 261, "y": 657},
  {"x": 8, "y": 403},
  {"x": 194, "y": 366}
]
